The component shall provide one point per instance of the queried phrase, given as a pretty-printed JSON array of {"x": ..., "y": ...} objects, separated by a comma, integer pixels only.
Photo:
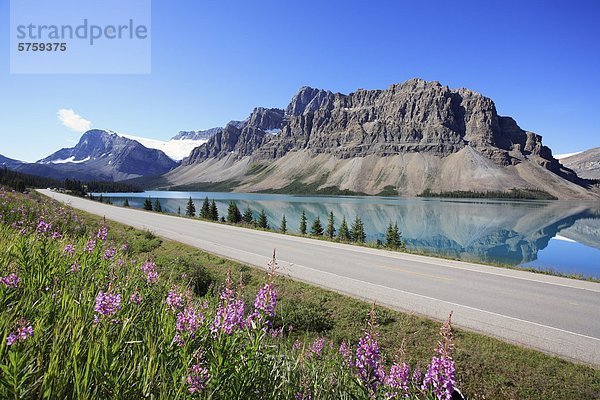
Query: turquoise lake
[{"x": 563, "y": 236}]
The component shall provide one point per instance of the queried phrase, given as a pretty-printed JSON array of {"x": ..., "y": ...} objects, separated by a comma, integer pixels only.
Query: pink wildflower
[
  {"x": 11, "y": 281},
  {"x": 24, "y": 331}
]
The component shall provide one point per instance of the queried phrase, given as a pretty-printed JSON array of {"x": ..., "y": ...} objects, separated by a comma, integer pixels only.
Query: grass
[
  {"x": 84, "y": 316},
  {"x": 256, "y": 168},
  {"x": 487, "y": 368}
]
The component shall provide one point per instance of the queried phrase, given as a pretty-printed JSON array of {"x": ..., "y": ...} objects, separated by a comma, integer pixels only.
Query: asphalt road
[{"x": 555, "y": 315}]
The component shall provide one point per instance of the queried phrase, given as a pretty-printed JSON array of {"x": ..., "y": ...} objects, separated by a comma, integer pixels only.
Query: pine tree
[
  {"x": 262, "y": 222},
  {"x": 234, "y": 216},
  {"x": 126, "y": 203},
  {"x": 148, "y": 204},
  {"x": 389, "y": 236},
  {"x": 344, "y": 233},
  {"x": 157, "y": 206},
  {"x": 358, "y": 230},
  {"x": 205, "y": 210},
  {"x": 397, "y": 237},
  {"x": 330, "y": 226},
  {"x": 190, "y": 210},
  {"x": 283, "y": 225},
  {"x": 316, "y": 229},
  {"x": 248, "y": 217},
  {"x": 214, "y": 212},
  {"x": 303, "y": 223}
]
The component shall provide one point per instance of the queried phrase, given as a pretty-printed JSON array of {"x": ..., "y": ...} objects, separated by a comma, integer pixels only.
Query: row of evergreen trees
[
  {"x": 353, "y": 233},
  {"x": 209, "y": 211}
]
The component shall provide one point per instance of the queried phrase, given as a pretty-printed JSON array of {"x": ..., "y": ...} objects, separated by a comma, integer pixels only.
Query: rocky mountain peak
[
  {"x": 308, "y": 100},
  {"x": 265, "y": 118}
]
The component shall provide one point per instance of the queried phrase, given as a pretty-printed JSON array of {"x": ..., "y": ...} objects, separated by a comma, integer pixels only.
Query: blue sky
[{"x": 213, "y": 61}]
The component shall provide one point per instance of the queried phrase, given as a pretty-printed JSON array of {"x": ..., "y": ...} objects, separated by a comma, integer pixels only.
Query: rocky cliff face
[
  {"x": 411, "y": 136},
  {"x": 413, "y": 117},
  {"x": 240, "y": 138}
]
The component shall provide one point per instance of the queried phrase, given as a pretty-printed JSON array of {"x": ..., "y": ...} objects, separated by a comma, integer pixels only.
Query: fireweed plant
[{"x": 81, "y": 317}]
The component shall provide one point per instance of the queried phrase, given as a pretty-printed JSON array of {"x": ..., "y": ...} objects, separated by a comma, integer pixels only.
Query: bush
[{"x": 304, "y": 316}]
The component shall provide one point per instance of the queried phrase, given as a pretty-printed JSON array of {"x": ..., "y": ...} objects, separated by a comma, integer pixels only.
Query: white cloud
[{"x": 73, "y": 121}]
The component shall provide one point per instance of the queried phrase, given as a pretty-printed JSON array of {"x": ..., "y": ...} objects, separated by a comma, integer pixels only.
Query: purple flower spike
[
  {"x": 69, "y": 249},
  {"x": 397, "y": 381},
  {"x": 11, "y": 281},
  {"x": 189, "y": 320},
  {"x": 197, "y": 378},
  {"x": 135, "y": 298},
  {"x": 110, "y": 253},
  {"x": 368, "y": 360},
  {"x": 174, "y": 301},
  {"x": 440, "y": 377},
  {"x": 230, "y": 312},
  {"x": 43, "y": 227},
  {"x": 107, "y": 304},
  {"x": 90, "y": 245},
  {"x": 102, "y": 233},
  {"x": 149, "y": 269},
  {"x": 24, "y": 330},
  {"x": 316, "y": 347}
]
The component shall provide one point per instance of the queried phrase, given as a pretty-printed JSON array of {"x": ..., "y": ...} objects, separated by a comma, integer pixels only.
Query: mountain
[
  {"x": 586, "y": 164},
  {"x": 413, "y": 136},
  {"x": 9, "y": 162},
  {"x": 197, "y": 135},
  {"x": 565, "y": 155},
  {"x": 102, "y": 155}
]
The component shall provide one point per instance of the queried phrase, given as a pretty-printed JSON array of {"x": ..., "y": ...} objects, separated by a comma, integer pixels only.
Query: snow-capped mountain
[{"x": 103, "y": 155}]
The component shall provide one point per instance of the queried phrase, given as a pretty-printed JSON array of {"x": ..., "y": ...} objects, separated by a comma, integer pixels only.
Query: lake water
[{"x": 560, "y": 235}]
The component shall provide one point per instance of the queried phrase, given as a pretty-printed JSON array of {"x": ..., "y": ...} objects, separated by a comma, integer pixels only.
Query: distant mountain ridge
[
  {"x": 108, "y": 156},
  {"x": 197, "y": 135},
  {"x": 586, "y": 164},
  {"x": 413, "y": 136},
  {"x": 9, "y": 162}
]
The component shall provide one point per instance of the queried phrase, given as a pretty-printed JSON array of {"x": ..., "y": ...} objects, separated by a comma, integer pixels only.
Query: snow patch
[
  {"x": 175, "y": 149},
  {"x": 273, "y": 131},
  {"x": 69, "y": 160},
  {"x": 563, "y": 239},
  {"x": 566, "y": 155}
]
